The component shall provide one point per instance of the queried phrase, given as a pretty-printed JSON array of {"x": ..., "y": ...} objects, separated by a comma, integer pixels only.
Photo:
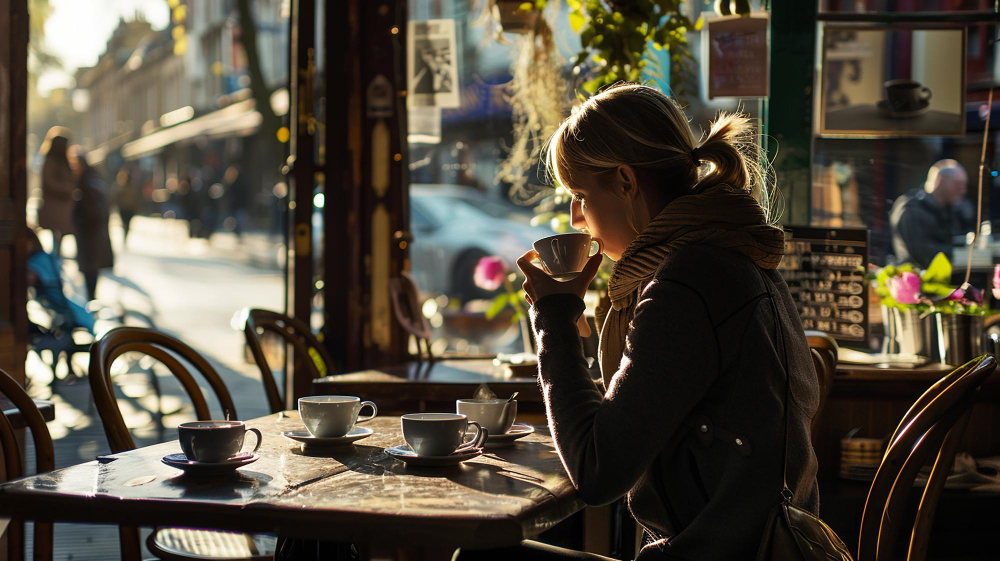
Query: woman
[
  {"x": 695, "y": 346},
  {"x": 56, "y": 210},
  {"x": 90, "y": 218}
]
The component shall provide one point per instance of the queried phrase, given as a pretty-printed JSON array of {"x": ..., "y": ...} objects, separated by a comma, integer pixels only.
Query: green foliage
[
  {"x": 510, "y": 297},
  {"x": 618, "y": 33}
]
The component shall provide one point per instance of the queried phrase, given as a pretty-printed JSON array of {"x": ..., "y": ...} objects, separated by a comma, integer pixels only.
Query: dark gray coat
[
  {"x": 702, "y": 351},
  {"x": 90, "y": 218}
]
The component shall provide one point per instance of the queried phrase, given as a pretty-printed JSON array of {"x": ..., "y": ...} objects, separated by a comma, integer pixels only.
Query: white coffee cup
[
  {"x": 440, "y": 434},
  {"x": 563, "y": 256},
  {"x": 495, "y": 415},
  {"x": 327, "y": 416}
]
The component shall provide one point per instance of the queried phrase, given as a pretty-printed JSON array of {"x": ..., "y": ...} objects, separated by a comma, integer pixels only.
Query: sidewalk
[{"x": 190, "y": 289}]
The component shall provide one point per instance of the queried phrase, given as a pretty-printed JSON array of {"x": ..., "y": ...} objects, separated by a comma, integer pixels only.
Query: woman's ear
[{"x": 629, "y": 179}]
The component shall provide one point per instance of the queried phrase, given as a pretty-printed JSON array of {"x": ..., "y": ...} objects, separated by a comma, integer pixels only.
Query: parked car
[{"x": 453, "y": 227}]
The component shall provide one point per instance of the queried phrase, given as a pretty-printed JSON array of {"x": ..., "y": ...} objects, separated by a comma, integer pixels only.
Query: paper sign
[
  {"x": 431, "y": 64},
  {"x": 737, "y": 57}
]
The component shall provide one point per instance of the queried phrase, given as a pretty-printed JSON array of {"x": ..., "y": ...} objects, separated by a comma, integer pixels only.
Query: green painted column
[{"x": 790, "y": 107}]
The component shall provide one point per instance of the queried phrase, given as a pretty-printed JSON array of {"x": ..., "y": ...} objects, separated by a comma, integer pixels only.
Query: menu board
[
  {"x": 737, "y": 57},
  {"x": 825, "y": 271}
]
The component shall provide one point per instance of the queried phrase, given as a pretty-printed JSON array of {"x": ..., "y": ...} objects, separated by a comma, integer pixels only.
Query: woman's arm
[{"x": 606, "y": 442}]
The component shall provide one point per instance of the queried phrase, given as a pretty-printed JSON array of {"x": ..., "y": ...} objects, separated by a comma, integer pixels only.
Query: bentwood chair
[
  {"x": 405, "y": 296},
  {"x": 406, "y": 307},
  {"x": 14, "y": 467},
  {"x": 932, "y": 427},
  {"x": 294, "y": 332},
  {"x": 167, "y": 543},
  {"x": 824, "y": 352}
]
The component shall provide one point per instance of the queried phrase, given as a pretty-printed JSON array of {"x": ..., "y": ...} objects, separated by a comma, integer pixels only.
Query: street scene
[{"x": 188, "y": 288}]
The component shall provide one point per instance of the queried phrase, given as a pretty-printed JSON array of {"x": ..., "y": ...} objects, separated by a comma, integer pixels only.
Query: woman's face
[{"x": 601, "y": 204}]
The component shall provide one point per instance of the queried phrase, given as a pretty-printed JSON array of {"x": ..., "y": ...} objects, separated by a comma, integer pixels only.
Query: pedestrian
[
  {"x": 127, "y": 197},
  {"x": 56, "y": 210},
  {"x": 90, "y": 218},
  {"x": 700, "y": 348}
]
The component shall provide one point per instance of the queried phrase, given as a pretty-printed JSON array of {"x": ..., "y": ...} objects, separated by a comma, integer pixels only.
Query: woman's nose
[{"x": 576, "y": 218}]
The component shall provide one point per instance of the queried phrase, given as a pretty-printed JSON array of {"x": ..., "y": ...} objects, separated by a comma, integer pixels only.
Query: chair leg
[{"x": 130, "y": 545}]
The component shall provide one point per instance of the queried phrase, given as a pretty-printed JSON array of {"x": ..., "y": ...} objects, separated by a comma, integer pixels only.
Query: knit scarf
[{"x": 720, "y": 216}]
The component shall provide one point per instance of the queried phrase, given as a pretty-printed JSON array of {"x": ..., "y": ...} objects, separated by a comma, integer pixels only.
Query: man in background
[{"x": 925, "y": 221}]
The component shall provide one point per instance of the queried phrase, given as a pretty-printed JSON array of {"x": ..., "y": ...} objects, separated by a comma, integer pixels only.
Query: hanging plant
[
  {"x": 538, "y": 93},
  {"x": 615, "y": 36}
]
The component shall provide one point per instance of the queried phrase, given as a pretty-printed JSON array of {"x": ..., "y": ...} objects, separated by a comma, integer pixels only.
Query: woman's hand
[{"x": 538, "y": 284}]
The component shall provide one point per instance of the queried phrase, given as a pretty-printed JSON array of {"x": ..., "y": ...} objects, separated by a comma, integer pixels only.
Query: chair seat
[{"x": 191, "y": 543}]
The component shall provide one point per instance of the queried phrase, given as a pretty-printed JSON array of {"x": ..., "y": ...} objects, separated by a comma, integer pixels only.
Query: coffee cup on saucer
[
  {"x": 327, "y": 416},
  {"x": 494, "y": 415},
  {"x": 563, "y": 256},
  {"x": 213, "y": 441},
  {"x": 440, "y": 434},
  {"x": 906, "y": 95}
]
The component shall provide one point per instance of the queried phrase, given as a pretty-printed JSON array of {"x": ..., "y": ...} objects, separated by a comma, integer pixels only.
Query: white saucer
[
  {"x": 517, "y": 430},
  {"x": 407, "y": 455},
  {"x": 883, "y": 107},
  {"x": 303, "y": 436},
  {"x": 192, "y": 467}
]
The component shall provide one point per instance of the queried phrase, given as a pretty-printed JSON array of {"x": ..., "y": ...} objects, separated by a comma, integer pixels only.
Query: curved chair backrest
[
  {"x": 296, "y": 333},
  {"x": 14, "y": 468},
  {"x": 164, "y": 348},
  {"x": 405, "y": 298},
  {"x": 934, "y": 425},
  {"x": 824, "y": 351}
]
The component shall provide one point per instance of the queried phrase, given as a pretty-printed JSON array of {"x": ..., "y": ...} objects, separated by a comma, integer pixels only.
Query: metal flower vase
[
  {"x": 961, "y": 337},
  {"x": 909, "y": 333}
]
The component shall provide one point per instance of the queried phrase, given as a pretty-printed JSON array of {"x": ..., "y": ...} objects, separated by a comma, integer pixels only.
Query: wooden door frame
[
  {"x": 13, "y": 185},
  {"x": 367, "y": 40}
]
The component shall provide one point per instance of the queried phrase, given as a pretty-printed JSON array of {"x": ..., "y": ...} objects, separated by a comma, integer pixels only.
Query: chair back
[
  {"x": 405, "y": 298},
  {"x": 163, "y": 348},
  {"x": 296, "y": 333},
  {"x": 824, "y": 352},
  {"x": 934, "y": 425},
  {"x": 14, "y": 468}
]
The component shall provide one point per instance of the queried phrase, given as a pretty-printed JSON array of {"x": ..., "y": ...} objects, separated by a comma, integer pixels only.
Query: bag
[{"x": 792, "y": 533}]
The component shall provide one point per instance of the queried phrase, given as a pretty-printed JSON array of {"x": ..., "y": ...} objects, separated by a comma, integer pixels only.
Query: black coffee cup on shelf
[{"x": 906, "y": 95}]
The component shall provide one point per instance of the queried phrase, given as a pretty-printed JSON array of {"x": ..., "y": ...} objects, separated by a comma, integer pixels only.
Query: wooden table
[
  {"x": 414, "y": 387},
  {"x": 13, "y": 414},
  {"x": 354, "y": 493}
]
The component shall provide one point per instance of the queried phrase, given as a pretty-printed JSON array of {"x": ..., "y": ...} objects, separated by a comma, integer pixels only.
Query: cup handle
[
  {"x": 600, "y": 245},
  {"x": 260, "y": 439},
  {"x": 370, "y": 417},
  {"x": 477, "y": 441},
  {"x": 925, "y": 93}
]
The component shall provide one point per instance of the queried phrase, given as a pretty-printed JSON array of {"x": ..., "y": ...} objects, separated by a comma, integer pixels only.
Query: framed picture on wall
[{"x": 892, "y": 81}]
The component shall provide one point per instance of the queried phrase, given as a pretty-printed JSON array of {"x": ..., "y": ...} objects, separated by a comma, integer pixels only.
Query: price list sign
[{"x": 825, "y": 270}]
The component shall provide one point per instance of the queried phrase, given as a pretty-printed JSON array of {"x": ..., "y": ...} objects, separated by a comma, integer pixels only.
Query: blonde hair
[{"x": 641, "y": 127}]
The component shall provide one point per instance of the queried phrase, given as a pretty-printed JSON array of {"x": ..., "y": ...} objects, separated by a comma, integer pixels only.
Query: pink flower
[
  {"x": 905, "y": 288},
  {"x": 996, "y": 282},
  {"x": 490, "y": 272},
  {"x": 957, "y": 295}
]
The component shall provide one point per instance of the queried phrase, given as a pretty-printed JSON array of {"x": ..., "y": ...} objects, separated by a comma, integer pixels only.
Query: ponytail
[{"x": 734, "y": 158}]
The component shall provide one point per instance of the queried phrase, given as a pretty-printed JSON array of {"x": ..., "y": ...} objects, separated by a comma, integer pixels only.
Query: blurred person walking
[
  {"x": 126, "y": 197},
  {"x": 90, "y": 218},
  {"x": 56, "y": 210}
]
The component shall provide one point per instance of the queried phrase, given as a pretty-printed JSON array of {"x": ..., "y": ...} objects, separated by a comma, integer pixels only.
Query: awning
[{"x": 238, "y": 119}]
